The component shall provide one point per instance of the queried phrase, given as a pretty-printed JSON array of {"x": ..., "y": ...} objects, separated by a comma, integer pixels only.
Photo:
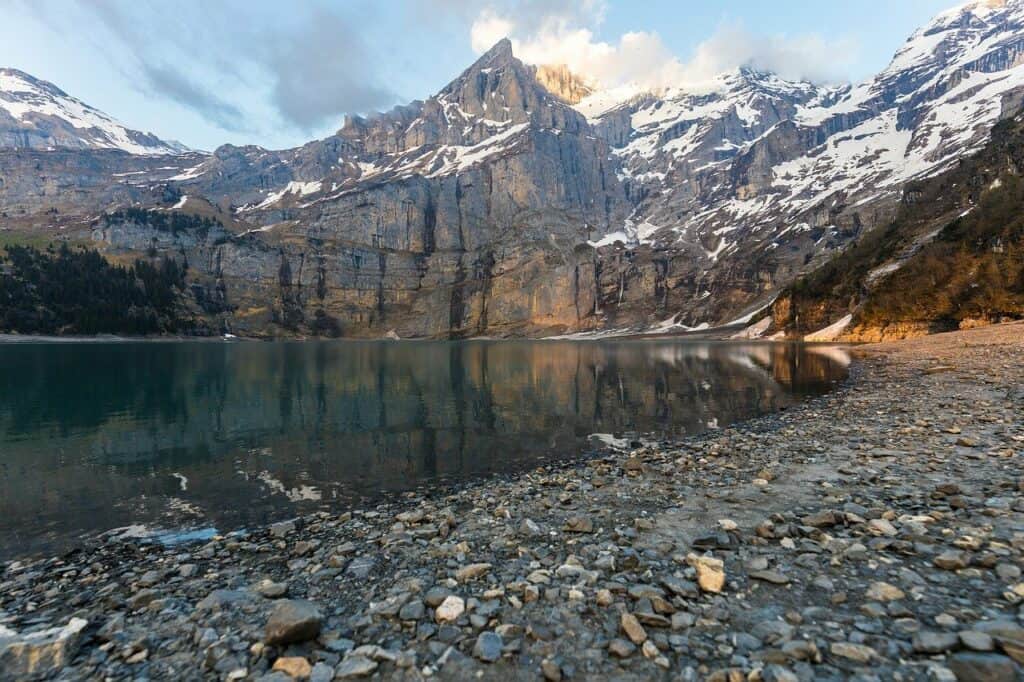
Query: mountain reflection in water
[{"x": 95, "y": 436}]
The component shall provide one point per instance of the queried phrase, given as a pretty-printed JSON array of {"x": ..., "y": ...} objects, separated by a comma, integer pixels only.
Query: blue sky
[{"x": 281, "y": 73}]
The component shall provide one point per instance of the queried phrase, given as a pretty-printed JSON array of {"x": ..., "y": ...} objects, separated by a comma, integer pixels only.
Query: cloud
[
  {"x": 310, "y": 69},
  {"x": 561, "y": 36},
  {"x": 324, "y": 72},
  {"x": 168, "y": 82}
]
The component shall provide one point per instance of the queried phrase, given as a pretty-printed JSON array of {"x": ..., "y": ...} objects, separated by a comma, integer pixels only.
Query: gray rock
[
  {"x": 293, "y": 620},
  {"x": 355, "y": 666},
  {"x": 488, "y": 647},
  {"x": 978, "y": 667}
]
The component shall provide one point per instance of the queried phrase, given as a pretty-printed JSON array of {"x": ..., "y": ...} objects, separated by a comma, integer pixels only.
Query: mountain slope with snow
[
  {"x": 526, "y": 199},
  {"x": 35, "y": 114}
]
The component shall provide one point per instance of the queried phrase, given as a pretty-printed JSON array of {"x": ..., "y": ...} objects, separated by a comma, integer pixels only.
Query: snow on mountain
[
  {"x": 35, "y": 114},
  {"x": 752, "y": 152}
]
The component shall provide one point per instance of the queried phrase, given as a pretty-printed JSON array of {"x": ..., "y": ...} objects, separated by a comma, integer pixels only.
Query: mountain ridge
[
  {"x": 675, "y": 209},
  {"x": 36, "y": 114}
]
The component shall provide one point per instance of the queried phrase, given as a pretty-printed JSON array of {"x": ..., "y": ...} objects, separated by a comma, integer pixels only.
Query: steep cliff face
[{"x": 463, "y": 215}]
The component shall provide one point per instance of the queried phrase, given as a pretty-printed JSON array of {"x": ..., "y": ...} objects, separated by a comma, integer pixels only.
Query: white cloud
[{"x": 641, "y": 58}]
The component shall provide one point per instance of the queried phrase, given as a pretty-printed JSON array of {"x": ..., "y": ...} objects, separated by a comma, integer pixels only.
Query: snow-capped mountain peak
[{"x": 36, "y": 114}]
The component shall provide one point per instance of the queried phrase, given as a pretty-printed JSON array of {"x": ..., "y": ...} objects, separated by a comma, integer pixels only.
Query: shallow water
[{"x": 223, "y": 435}]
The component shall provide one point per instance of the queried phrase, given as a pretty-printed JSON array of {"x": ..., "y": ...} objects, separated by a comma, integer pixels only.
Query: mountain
[
  {"x": 755, "y": 179},
  {"x": 528, "y": 200},
  {"x": 952, "y": 258},
  {"x": 36, "y": 114}
]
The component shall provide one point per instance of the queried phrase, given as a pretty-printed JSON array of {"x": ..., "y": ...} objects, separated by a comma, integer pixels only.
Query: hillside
[{"x": 953, "y": 257}]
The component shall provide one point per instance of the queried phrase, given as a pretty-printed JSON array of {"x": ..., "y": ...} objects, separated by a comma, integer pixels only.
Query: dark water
[{"x": 96, "y": 436}]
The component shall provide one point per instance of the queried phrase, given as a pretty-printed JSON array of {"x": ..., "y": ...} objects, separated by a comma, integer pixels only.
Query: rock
[
  {"x": 321, "y": 673},
  {"x": 928, "y": 642},
  {"x": 472, "y": 571},
  {"x": 529, "y": 528},
  {"x": 822, "y": 519},
  {"x": 412, "y": 610},
  {"x": 293, "y": 620},
  {"x": 632, "y": 628},
  {"x": 882, "y": 527},
  {"x": 977, "y": 641},
  {"x": 282, "y": 528},
  {"x": 355, "y": 666},
  {"x": 976, "y": 667},
  {"x": 579, "y": 524},
  {"x": 710, "y": 572},
  {"x": 773, "y": 577},
  {"x": 621, "y": 648},
  {"x": 270, "y": 589},
  {"x": 450, "y": 609},
  {"x": 854, "y": 652},
  {"x": 293, "y": 666},
  {"x": 952, "y": 560},
  {"x": 883, "y": 592},
  {"x": 488, "y": 647},
  {"x": 39, "y": 653},
  {"x": 551, "y": 670},
  {"x": 360, "y": 567}
]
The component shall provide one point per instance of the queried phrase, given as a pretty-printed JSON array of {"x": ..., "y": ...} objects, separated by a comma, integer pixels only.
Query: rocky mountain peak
[
  {"x": 36, "y": 114},
  {"x": 499, "y": 55}
]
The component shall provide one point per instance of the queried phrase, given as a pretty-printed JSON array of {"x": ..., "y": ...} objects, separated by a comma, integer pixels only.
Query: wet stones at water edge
[{"x": 873, "y": 548}]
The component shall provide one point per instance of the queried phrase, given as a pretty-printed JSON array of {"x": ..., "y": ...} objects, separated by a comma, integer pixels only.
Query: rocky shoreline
[{"x": 876, "y": 532}]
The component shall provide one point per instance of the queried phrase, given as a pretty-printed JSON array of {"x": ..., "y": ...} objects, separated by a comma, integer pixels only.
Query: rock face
[
  {"x": 523, "y": 200},
  {"x": 39, "y": 653}
]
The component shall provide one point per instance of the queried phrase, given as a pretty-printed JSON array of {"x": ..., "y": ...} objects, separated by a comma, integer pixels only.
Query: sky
[{"x": 279, "y": 73}]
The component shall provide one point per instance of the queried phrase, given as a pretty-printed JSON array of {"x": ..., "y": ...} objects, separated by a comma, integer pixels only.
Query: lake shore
[{"x": 871, "y": 533}]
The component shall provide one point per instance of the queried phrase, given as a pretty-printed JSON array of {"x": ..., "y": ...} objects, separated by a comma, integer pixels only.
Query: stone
[
  {"x": 710, "y": 572},
  {"x": 293, "y": 620},
  {"x": 977, "y": 641},
  {"x": 360, "y": 567},
  {"x": 952, "y": 560},
  {"x": 321, "y": 672},
  {"x": 472, "y": 571},
  {"x": 579, "y": 524},
  {"x": 551, "y": 670},
  {"x": 450, "y": 609},
  {"x": 529, "y": 528},
  {"x": 882, "y": 527},
  {"x": 621, "y": 648},
  {"x": 39, "y": 653},
  {"x": 632, "y": 628},
  {"x": 355, "y": 666},
  {"x": 978, "y": 667},
  {"x": 929, "y": 642},
  {"x": 488, "y": 647},
  {"x": 412, "y": 610},
  {"x": 773, "y": 577},
  {"x": 854, "y": 652},
  {"x": 822, "y": 519},
  {"x": 295, "y": 667},
  {"x": 271, "y": 589},
  {"x": 884, "y": 592},
  {"x": 282, "y": 528}
]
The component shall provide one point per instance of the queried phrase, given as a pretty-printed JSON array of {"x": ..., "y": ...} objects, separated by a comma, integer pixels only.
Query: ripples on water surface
[{"x": 95, "y": 436}]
